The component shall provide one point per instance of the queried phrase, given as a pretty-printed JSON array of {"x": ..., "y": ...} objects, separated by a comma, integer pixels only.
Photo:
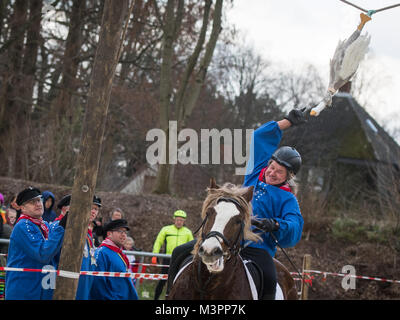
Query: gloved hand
[
  {"x": 268, "y": 225},
  {"x": 154, "y": 260},
  {"x": 296, "y": 117},
  {"x": 63, "y": 221}
]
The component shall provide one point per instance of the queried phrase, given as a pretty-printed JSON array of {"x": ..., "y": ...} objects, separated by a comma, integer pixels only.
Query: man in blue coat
[
  {"x": 110, "y": 258},
  {"x": 33, "y": 244},
  {"x": 88, "y": 259},
  {"x": 271, "y": 171}
]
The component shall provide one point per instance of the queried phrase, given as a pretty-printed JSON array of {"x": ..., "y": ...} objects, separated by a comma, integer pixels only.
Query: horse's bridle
[{"x": 234, "y": 247}]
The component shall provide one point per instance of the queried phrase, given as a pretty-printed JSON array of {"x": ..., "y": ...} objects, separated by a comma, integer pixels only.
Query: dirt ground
[{"x": 148, "y": 213}]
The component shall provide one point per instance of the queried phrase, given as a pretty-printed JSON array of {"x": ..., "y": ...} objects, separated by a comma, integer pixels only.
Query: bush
[{"x": 352, "y": 230}]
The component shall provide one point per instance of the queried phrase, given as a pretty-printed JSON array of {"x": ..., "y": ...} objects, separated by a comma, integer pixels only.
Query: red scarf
[
  {"x": 112, "y": 246},
  {"x": 284, "y": 186},
  {"x": 89, "y": 238},
  {"x": 39, "y": 222}
]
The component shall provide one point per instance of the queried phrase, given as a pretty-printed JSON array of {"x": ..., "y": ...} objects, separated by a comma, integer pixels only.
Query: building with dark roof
[{"x": 347, "y": 155}]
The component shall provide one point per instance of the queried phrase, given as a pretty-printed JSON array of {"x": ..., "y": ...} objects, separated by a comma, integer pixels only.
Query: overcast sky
[{"x": 294, "y": 32}]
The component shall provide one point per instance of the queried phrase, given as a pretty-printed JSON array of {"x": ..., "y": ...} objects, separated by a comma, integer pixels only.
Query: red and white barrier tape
[
  {"x": 335, "y": 274},
  {"x": 75, "y": 275}
]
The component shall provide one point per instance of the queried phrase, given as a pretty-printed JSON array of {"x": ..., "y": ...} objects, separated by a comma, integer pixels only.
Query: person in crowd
[
  {"x": 129, "y": 245},
  {"x": 271, "y": 171},
  {"x": 6, "y": 228},
  {"x": 49, "y": 214},
  {"x": 110, "y": 257},
  {"x": 2, "y": 210},
  {"x": 33, "y": 244},
  {"x": 11, "y": 216},
  {"x": 13, "y": 204},
  {"x": 115, "y": 213},
  {"x": 172, "y": 235},
  {"x": 88, "y": 260}
]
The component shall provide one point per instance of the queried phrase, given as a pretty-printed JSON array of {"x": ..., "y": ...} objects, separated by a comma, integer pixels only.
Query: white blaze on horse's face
[{"x": 211, "y": 248}]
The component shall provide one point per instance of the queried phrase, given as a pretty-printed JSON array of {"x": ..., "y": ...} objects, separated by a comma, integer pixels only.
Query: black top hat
[
  {"x": 28, "y": 194},
  {"x": 65, "y": 201},
  {"x": 116, "y": 224}
]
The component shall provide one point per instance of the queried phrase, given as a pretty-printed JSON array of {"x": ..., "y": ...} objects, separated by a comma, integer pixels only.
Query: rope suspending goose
[
  {"x": 370, "y": 12},
  {"x": 346, "y": 58}
]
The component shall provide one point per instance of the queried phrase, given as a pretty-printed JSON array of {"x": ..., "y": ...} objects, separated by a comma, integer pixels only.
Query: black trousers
[
  {"x": 259, "y": 256},
  {"x": 178, "y": 255},
  {"x": 263, "y": 259}
]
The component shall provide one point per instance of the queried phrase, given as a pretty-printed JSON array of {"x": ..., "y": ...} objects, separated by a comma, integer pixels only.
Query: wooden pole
[
  {"x": 87, "y": 164},
  {"x": 304, "y": 285}
]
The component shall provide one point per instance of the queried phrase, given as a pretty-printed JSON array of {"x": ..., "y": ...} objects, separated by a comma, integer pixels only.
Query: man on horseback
[{"x": 270, "y": 171}]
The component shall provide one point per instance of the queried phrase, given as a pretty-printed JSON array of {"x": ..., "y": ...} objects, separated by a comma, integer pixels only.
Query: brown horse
[{"x": 217, "y": 271}]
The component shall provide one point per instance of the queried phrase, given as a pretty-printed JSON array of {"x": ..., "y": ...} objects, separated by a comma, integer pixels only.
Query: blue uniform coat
[
  {"x": 110, "y": 288},
  {"x": 29, "y": 249},
  {"x": 85, "y": 282},
  {"x": 270, "y": 201}
]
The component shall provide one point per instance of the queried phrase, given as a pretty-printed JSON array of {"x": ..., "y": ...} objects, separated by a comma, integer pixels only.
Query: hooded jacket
[{"x": 49, "y": 214}]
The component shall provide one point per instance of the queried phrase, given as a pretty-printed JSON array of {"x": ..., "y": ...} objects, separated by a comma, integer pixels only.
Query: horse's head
[{"x": 226, "y": 217}]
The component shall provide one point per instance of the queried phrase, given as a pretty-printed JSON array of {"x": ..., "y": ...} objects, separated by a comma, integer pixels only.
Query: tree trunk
[
  {"x": 61, "y": 107},
  {"x": 11, "y": 115},
  {"x": 187, "y": 94},
  {"x": 87, "y": 163},
  {"x": 162, "y": 185},
  {"x": 28, "y": 82}
]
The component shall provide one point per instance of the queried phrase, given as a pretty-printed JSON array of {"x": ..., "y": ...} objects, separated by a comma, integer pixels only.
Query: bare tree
[
  {"x": 191, "y": 81},
  {"x": 109, "y": 49}
]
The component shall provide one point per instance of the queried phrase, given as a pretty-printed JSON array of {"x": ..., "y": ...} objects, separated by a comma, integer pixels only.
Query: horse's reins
[
  {"x": 233, "y": 249},
  {"x": 258, "y": 226}
]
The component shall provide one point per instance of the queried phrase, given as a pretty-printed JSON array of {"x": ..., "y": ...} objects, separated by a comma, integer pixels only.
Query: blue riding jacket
[{"x": 270, "y": 201}]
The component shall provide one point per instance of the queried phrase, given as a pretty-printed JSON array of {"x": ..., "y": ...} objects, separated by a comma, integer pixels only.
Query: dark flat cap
[
  {"x": 116, "y": 224},
  {"x": 97, "y": 200},
  {"x": 28, "y": 194},
  {"x": 65, "y": 201}
]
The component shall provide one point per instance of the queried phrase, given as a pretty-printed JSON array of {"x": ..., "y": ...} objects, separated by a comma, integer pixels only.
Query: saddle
[
  {"x": 255, "y": 277},
  {"x": 253, "y": 271}
]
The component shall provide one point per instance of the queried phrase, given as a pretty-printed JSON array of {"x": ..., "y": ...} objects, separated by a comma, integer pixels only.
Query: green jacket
[{"x": 173, "y": 237}]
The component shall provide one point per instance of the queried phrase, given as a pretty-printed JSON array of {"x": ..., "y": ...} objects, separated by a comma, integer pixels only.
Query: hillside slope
[{"x": 148, "y": 213}]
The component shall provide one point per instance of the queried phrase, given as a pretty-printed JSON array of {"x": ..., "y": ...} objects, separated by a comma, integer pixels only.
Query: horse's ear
[
  {"x": 248, "y": 195},
  {"x": 213, "y": 184}
]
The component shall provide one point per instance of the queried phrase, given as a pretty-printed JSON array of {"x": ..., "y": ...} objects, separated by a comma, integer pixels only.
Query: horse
[{"x": 217, "y": 272}]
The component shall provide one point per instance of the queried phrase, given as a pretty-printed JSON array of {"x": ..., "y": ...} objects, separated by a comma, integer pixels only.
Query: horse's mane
[{"x": 236, "y": 192}]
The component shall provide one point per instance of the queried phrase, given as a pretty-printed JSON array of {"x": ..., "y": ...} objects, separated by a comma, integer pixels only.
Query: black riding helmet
[{"x": 288, "y": 157}]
